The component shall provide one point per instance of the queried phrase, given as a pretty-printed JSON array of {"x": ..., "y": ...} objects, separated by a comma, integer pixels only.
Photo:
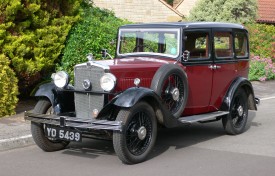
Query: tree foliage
[
  {"x": 235, "y": 11},
  {"x": 32, "y": 34},
  {"x": 96, "y": 30}
]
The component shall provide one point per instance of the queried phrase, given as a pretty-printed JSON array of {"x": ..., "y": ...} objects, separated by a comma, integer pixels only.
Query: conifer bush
[
  {"x": 32, "y": 35},
  {"x": 8, "y": 88}
]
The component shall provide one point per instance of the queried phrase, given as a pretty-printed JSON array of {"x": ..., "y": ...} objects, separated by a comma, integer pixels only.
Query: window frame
[
  {"x": 230, "y": 58},
  {"x": 176, "y": 30},
  {"x": 247, "y": 45},
  {"x": 209, "y": 44}
]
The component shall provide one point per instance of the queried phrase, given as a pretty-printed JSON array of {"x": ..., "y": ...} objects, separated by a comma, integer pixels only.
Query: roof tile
[{"x": 266, "y": 11}]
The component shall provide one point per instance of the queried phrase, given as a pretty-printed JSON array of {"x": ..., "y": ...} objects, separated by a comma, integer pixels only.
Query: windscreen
[{"x": 149, "y": 42}]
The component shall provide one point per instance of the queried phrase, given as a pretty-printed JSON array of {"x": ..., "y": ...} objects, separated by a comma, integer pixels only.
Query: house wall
[
  {"x": 141, "y": 10},
  {"x": 186, "y": 6}
]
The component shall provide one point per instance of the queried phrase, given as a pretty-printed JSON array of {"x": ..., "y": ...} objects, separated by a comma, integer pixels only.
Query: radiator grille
[{"x": 86, "y": 103}]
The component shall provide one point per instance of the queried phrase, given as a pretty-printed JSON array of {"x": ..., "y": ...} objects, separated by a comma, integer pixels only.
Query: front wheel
[
  {"x": 37, "y": 130},
  {"x": 235, "y": 122},
  {"x": 138, "y": 137}
]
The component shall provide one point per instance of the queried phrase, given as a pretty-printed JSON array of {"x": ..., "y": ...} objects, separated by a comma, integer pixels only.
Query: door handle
[{"x": 214, "y": 67}]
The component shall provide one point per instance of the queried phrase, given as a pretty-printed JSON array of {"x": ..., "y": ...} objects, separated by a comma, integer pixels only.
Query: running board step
[{"x": 202, "y": 117}]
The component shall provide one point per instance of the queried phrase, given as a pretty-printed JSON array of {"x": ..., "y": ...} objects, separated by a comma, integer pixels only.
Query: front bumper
[{"x": 72, "y": 122}]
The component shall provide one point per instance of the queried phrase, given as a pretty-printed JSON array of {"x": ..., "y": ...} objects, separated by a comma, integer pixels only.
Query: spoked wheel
[
  {"x": 170, "y": 83},
  {"x": 235, "y": 122},
  {"x": 37, "y": 130},
  {"x": 171, "y": 94},
  {"x": 135, "y": 142}
]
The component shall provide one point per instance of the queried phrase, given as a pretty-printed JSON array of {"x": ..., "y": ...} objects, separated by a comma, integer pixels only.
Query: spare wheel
[{"x": 170, "y": 83}]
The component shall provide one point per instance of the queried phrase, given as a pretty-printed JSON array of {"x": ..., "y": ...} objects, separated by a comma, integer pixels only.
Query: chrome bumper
[{"x": 64, "y": 121}]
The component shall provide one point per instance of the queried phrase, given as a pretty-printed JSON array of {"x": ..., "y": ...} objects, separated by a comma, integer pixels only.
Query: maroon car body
[{"x": 163, "y": 74}]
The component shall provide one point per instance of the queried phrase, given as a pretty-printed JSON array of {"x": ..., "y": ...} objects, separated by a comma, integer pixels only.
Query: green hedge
[
  {"x": 96, "y": 30},
  {"x": 8, "y": 88},
  {"x": 262, "y": 40},
  {"x": 32, "y": 35}
]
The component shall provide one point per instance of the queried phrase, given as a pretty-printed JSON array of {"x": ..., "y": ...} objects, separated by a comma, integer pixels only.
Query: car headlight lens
[
  {"x": 61, "y": 79},
  {"x": 107, "y": 82}
]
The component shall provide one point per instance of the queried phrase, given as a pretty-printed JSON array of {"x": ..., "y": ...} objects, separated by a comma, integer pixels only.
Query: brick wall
[{"x": 141, "y": 10}]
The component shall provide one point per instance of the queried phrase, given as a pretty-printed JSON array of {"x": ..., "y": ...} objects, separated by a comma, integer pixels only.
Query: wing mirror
[{"x": 105, "y": 54}]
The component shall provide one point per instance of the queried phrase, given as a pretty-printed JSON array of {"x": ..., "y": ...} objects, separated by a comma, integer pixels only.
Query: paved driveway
[{"x": 199, "y": 150}]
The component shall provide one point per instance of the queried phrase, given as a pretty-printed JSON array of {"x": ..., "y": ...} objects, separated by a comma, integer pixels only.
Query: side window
[
  {"x": 241, "y": 47},
  {"x": 223, "y": 45},
  {"x": 197, "y": 43}
]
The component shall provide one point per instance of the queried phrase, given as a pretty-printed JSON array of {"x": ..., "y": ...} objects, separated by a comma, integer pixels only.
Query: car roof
[{"x": 185, "y": 25}]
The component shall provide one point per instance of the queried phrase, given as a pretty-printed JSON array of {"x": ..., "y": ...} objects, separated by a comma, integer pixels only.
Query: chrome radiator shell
[{"x": 85, "y": 103}]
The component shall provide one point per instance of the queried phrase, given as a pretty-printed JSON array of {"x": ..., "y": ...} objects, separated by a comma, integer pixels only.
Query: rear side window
[
  {"x": 241, "y": 46},
  {"x": 223, "y": 45}
]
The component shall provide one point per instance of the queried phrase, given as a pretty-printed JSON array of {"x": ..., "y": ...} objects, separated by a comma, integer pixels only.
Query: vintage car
[{"x": 163, "y": 75}]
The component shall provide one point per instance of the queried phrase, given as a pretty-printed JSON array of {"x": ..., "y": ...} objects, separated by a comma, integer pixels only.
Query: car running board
[{"x": 202, "y": 117}]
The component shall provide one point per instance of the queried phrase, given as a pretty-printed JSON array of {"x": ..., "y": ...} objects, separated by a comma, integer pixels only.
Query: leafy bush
[
  {"x": 94, "y": 32},
  {"x": 262, "y": 40},
  {"x": 8, "y": 87},
  {"x": 32, "y": 35},
  {"x": 236, "y": 11},
  {"x": 261, "y": 69}
]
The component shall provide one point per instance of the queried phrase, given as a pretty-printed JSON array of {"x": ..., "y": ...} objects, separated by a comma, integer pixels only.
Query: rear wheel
[
  {"x": 37, "y": 129},
  {"x": 138, "y": 137},
  {"x": 235, "y": 122}
]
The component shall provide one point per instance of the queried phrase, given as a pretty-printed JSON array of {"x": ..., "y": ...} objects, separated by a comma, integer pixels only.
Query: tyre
[
  {"x": 235, "y": 122},
  {"x": 170, "y": 83},
  {"x": 138, "y": 137},
  {"x": 37, "y": 130}
]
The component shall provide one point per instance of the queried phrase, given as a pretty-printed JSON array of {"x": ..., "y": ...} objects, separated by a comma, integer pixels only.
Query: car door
[
  {"x": 224, "y": 67},
  {"x": 197, "y": 42}
]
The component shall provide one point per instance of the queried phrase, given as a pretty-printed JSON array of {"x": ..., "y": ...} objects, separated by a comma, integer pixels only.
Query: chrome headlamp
[
  {"x": 108, "y": 82},
  {"x": 60, "y": 79}
]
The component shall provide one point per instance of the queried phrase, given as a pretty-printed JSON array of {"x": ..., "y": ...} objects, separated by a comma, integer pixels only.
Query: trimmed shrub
[
  {"x": 261, "y": 69},
  {"x": 32, "y": 35},
  {"x": 8, "y": 88},
  {"x": 96, "y": 30}
]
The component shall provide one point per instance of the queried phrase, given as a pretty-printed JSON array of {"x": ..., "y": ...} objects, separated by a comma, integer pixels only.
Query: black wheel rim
[
  {"x": 239, "y": 112},
  {"x": 135, "y": 145},
  {"x": 171, "y": 83}
]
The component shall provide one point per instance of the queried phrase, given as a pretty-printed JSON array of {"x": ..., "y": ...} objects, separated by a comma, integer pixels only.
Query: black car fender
[
  {"x": 238, "y": 83},
  {"x": 131, "y": 96},
  {"x": 61, "y": 101}
]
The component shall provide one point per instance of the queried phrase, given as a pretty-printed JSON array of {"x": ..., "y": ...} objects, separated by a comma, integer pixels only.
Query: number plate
[{"x": 63, "y": 133}]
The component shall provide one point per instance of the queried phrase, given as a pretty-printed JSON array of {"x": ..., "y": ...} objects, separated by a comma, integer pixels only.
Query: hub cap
[
  {"x": 142, "y": 133},
  {"x": 240, "y": 111},
  {"x": 175, "y": 94}
]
